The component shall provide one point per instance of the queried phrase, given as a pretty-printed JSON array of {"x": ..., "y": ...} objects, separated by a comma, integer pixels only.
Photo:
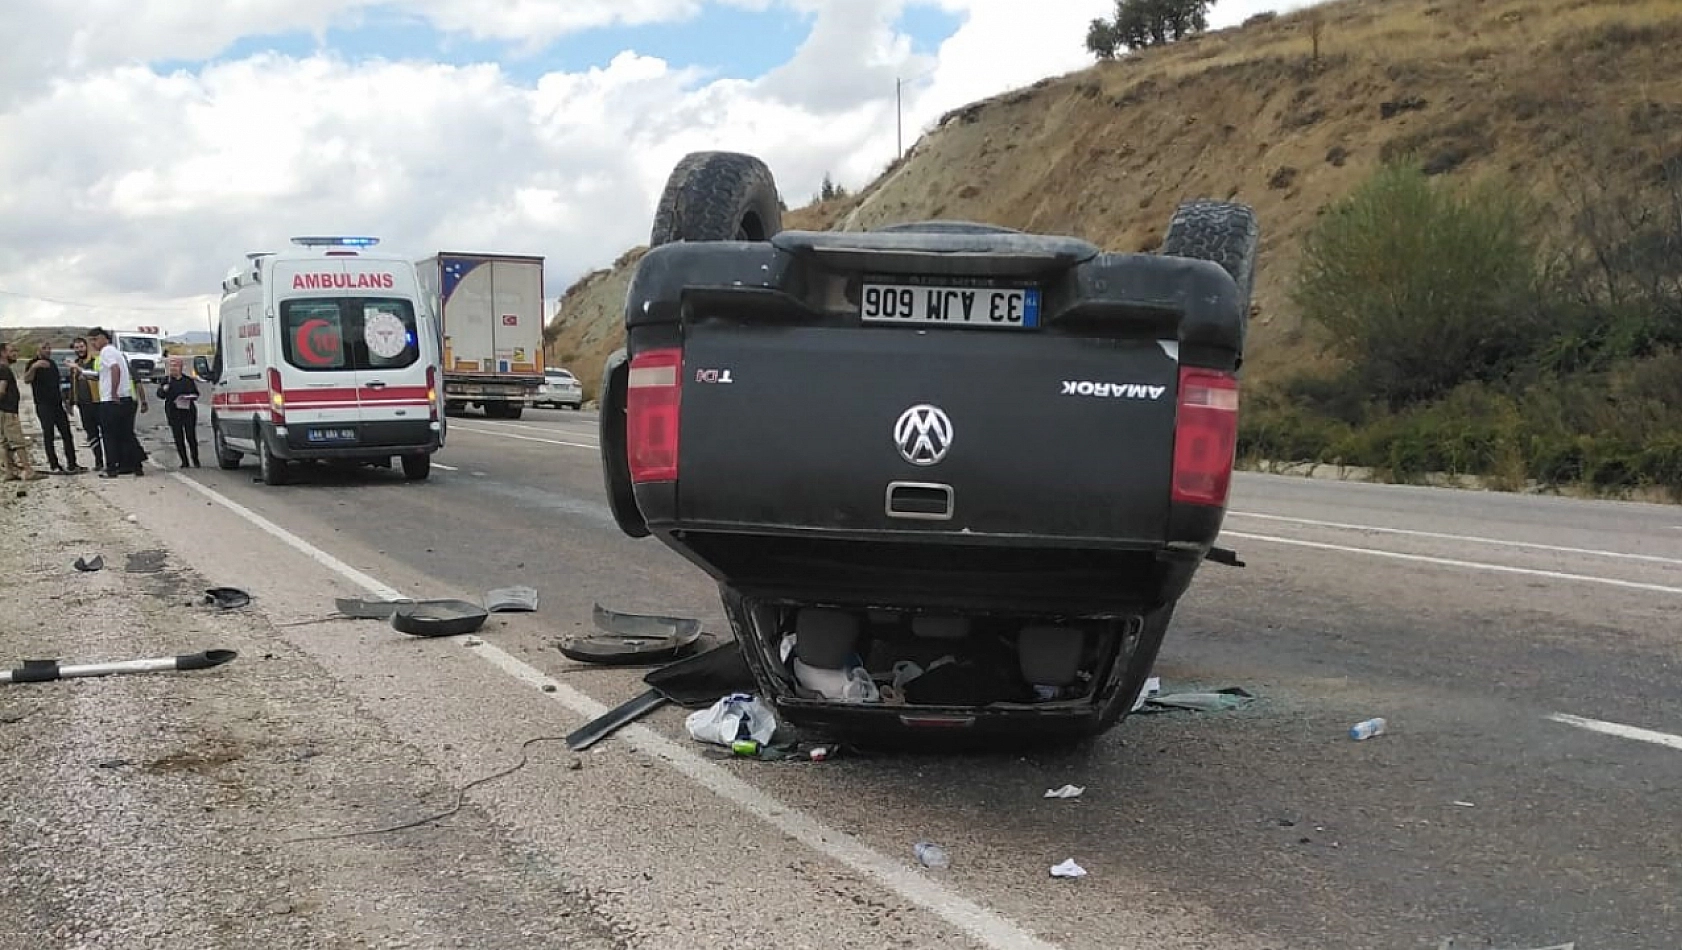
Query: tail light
[
  {"x": 1205, "y": 436},
  {"x": 277, "y": 398},
  {"x": 432, "y": 393},
  {"x": 652, "y": 392}
]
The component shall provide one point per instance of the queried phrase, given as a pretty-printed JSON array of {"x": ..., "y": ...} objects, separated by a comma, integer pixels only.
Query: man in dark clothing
[
  {"x": 179, "y": 395},
  {"x": 84, "y": 395},
  {"x": 44, "y": 379}
]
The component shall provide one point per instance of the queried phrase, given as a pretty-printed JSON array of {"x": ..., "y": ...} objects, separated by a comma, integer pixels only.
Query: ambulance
[{"x": 325, "y": 351}]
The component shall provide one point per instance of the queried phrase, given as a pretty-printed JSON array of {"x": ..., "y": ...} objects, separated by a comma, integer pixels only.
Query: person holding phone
[{"x": 179, "y": 394}]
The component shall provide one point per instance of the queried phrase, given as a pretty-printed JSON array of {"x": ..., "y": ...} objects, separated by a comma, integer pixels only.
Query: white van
[{"x": 326, "y": 352}]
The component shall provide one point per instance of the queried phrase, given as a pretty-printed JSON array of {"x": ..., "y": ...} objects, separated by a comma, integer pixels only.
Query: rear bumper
[{"x": 372, "y": 440}]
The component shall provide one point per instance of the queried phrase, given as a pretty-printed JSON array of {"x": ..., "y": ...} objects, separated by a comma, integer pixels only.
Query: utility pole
[{"x": 899, "y": 117}]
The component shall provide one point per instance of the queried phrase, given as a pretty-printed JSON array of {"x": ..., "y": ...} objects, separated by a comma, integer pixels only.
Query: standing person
[
  {"x": 179, "y": 395},
  {"x": 116, "y": 408},
  {"x": 84, "y": 395},
  {"x": 12, "y": 440},
  {"x": 52, "y": 408}
]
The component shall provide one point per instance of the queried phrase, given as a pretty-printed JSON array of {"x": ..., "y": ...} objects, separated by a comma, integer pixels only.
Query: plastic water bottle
[
  {"x": 1367, "y": 729},
  {"x": 932, "y": 855}
]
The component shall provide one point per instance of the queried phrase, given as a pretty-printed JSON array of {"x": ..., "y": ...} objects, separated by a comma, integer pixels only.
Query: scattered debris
[
  {"x": 1233, "y": 697},
  {"x": 1067, "y": 791},
  {"x": 226, "y": 598},
  {"x": 511, "y": 599},
  {"x": 736, "y": 716},
  {"x": 1153, "y": 686},
  {"x": 437, "y": 618},
  {"x": 87, "y": 564},
  {"x": 1068, "y": 869},
  {"x": 1367, "y": 729},
  {"x": 358, "y": 609},
  {"x": 693, "y": 682},
  {"x": 45, "y": 671},
  {"x": 1466, "y": 804},
  {"x": 622, "y": 715},
  {"x": 931, "y": 855},
  {"x": 112, "y": 763},
  {"x": 632, "y": 639}
]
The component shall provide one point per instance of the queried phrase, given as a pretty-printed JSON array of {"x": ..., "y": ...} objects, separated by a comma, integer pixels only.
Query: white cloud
[{"x": 125, "y": 186}]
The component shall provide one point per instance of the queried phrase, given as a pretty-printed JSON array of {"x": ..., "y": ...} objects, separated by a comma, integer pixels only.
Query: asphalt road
[{"x": 1476, "y": 623}]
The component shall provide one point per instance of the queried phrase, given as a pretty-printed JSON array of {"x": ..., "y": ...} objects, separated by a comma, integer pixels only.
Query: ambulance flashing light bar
[{"x": 335, "y": 241}]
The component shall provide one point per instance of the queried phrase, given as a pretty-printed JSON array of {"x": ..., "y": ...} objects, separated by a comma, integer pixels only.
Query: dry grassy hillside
[{"x": 1548, "y": 91}]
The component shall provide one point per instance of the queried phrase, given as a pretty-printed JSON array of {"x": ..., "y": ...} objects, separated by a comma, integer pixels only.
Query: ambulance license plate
[{"x": 331, "y": 435}]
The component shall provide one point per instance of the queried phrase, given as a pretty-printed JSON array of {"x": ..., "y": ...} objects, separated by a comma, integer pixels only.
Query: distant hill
[{"x": 1540, "y": 89}]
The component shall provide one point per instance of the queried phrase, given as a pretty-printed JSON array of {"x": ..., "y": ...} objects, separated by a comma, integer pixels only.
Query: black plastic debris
[
  {"x": 226, "y": 598},
  {"x": 511, "y": 600},
  {"x": 438, "y": 618},
  {"x": 694, "y": 682},
  {"x": 632, "y": 639},
  {"x": 89, "y": 564},
  {"x": 146, "y": 562}
]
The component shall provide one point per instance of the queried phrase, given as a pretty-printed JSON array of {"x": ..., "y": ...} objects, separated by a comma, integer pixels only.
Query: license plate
[
  {"x": 1014, "y": 308},
  {"x": 331, "y": 435}
]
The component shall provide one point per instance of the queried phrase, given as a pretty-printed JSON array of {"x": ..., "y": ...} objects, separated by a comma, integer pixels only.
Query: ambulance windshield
[
  {"x": 138, "y": 344},
  {"x": 348, "y": 333}
]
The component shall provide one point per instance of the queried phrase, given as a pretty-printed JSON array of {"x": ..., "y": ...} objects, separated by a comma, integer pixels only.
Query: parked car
[{"x": 560, "y": 389}]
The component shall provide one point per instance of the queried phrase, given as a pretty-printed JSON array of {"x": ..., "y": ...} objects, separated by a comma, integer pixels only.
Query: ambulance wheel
[
  {"x": 417, "y": 467},
  {"x": 226, "y": 458},
  {"x": 271, "y": 470},
  {"x": 718, "y": 196}
]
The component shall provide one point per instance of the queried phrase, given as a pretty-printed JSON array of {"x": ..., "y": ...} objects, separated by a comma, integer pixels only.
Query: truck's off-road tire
[
  {"x": 718, "y": 196},
  {"x": 1224, "y": 232}
]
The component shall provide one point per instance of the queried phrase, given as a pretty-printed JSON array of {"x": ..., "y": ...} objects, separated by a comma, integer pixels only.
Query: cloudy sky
[{"x": 146, "y": 145}]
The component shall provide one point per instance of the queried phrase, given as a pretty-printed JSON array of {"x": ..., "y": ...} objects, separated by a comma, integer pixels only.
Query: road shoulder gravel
[{"x": 152, "y": 810}]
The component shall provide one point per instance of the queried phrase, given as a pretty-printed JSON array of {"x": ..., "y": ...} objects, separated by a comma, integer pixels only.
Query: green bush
[{"x": 1421, "y": 287}]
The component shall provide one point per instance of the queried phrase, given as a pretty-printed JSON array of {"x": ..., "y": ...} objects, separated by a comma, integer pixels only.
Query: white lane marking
[
  {"x": 1454, "y": 562},
  {"x": 1475, "y": 539},
  {"x": 1621, "y": 731},
  {"x": 552, "y": 430},
  {"x": 990, "y": 928},
  {"x": 447, "y": 468},
  {"x": 303, "y": 547},
  {"x": 523, "y": 438}
]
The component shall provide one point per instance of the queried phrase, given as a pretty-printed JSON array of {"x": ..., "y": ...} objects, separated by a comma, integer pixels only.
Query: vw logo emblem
[{"x": 923, "y": 434}]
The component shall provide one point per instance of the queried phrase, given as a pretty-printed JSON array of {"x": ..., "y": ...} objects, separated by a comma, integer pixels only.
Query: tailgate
[{"x": 1024, "y": 432}]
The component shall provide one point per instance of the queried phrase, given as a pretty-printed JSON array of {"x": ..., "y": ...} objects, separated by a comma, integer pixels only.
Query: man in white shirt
[{"x": 117, "y": 408}]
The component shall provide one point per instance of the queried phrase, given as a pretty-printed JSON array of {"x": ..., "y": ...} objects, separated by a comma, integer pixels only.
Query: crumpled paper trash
[
  {"x": 1067, "y": 791},
  {"x": 1068, "y": 869},
  {"x": 736, "y": 716}
]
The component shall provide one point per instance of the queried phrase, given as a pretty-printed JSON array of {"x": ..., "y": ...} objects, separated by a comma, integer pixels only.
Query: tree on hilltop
[{"x": 1142, "y": 23}]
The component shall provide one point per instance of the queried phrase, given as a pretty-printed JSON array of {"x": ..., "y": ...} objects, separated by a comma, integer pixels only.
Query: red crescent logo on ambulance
[{"x": 316, "y": 343}]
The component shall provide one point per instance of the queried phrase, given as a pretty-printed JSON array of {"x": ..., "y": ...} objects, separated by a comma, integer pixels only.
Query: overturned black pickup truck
[{"x": 948, "y": 476}]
